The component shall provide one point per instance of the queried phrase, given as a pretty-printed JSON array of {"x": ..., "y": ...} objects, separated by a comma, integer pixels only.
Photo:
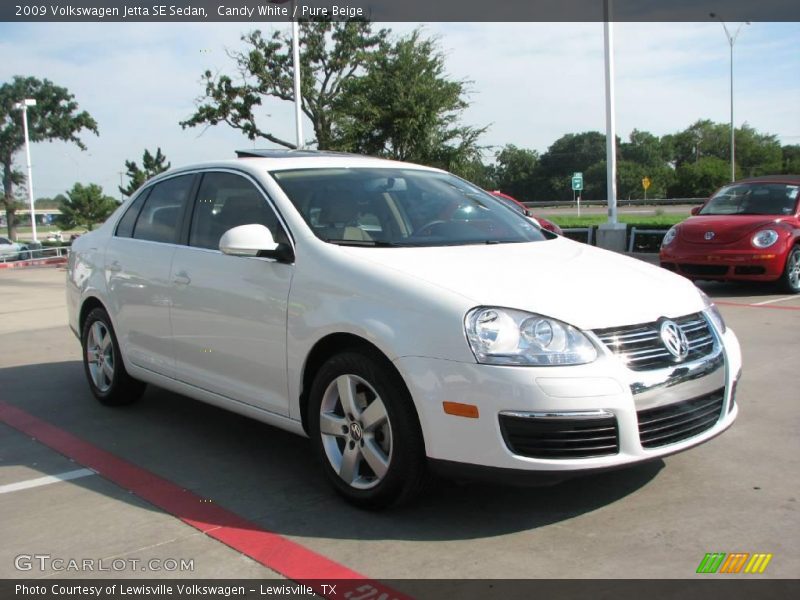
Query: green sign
[{"x": 577, "y": 182}]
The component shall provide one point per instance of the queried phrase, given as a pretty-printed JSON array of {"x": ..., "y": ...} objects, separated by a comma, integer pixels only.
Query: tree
[
  {"x": 515, "y": 171},
  {"x": 85, "y": 206},
  {"x": 331, "y": 54},
  {"x": 570, "y": 153},
  {"x": 55, "y": 117},
  {"x": 152, "y": 165},
  {"x": 791, "y": 159},
  {"x": 699, "y": 179},
  {"x": 405, "y": 108}
]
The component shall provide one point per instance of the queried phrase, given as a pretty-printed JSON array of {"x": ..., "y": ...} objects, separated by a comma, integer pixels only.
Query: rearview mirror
[
  {"x": 696, "y": 209},
  {"x": 254, "y": 240}
]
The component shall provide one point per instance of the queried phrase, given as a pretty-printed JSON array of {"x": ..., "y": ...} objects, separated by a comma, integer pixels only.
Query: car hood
[
  {"x": 582, "y": 285},
  {"x": 726, "y": 229}
]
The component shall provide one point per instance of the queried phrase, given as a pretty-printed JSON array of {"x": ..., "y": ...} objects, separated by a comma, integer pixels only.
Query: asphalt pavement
[{"x": 737, "y": 493}]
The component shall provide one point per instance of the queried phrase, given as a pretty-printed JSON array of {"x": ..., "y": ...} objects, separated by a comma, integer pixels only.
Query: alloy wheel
[
  {"x": 356, "y": 432},
  {"x": 100, "y": 356}
]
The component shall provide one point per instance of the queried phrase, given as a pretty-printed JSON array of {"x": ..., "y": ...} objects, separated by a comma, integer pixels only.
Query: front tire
[
  {"x": 103, "y": 365},
  {"x": 366, "y": 432},
  {"x": 791, "y": 272}
]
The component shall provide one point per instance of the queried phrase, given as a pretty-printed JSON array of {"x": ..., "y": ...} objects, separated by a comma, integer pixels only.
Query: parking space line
[
  {"x": 774, "y": 300},
  {"x": 272, "y": 550},
  {"x": 40, "y": 481}
]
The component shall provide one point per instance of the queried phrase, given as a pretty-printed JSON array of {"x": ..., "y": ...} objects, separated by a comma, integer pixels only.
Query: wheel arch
[
  {"x": 88, "y": 305},
  {"x": 327, "y": 347}
]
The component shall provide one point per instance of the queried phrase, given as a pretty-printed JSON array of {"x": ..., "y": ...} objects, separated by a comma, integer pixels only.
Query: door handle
[
  {"x": 182, "y": 278},
  {"x": 115, "y": 267}
]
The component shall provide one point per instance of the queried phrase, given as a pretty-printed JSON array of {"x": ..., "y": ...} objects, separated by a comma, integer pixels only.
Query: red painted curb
[
  {"x": 272, "y": 550},
  {"x": 56, "y": 260}
]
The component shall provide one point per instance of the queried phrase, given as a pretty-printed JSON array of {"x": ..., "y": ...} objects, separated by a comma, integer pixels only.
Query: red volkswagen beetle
[{"x": 748, "y": 230}]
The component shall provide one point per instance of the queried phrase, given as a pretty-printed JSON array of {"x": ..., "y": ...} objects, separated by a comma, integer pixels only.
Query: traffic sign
[
  {"x": 646, "y": 183},
  {"x": 577, "y": 182}
]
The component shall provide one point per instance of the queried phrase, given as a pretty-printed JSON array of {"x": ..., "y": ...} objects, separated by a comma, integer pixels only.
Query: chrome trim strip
[{"x": 581, "y": 414}]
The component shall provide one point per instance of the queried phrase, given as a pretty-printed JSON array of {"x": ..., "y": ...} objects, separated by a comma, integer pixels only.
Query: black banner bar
[{"x": 397, "y": 10}]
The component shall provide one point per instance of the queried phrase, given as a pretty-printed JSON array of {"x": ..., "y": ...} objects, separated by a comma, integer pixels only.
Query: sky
[{"x": 529, "y": 82}]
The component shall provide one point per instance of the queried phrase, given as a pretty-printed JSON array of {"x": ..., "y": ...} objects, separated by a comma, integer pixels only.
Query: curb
[{"x": 41, "y": 262}]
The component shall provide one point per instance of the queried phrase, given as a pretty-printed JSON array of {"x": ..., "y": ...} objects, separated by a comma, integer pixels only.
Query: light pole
[
  {"x": 298, "y": 99},
  {"x": 23, "y": 106},
  {"x": 611, "y": 128},
  {"x": 731, "y": 42}
]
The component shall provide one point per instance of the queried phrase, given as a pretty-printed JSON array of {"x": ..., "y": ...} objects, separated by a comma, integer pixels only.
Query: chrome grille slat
[{"x": 640, "y": 346}]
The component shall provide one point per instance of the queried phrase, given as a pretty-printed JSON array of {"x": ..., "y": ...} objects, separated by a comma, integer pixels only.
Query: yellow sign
[{"x": 646, "y": 183}]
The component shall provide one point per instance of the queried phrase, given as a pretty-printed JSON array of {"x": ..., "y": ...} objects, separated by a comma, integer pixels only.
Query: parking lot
[{"x": 186, "y": 484}]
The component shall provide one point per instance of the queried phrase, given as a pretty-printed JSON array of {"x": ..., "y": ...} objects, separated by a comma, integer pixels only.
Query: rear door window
[{"x": 161, "y": 215}]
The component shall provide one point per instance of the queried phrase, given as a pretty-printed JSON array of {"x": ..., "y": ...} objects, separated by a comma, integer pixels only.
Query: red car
[
  {"x": 748, "y": 231},
  {"x": 521, "y": 208}
]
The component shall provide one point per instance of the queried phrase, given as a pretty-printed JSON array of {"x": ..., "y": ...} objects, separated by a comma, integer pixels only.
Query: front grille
[
  {"x": 560, "y": 438},
  {"x": 680, "y": 421},
  {"x": 641, "y": 347},
  {"x": 707, "y": 270}
]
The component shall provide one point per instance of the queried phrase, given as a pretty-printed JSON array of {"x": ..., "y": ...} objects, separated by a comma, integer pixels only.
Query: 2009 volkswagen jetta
[{"x": 401, "y": 318}]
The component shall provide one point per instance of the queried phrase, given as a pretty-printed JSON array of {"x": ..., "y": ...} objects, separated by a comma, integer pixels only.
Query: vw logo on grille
[
  {"x": 709, "y": 235},
  {"x": 674, "y": 340}
]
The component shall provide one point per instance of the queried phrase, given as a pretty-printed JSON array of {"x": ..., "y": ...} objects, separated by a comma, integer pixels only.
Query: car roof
[
  {"x": 280, "y": 160},
  {"x": 772, "y": 178}
]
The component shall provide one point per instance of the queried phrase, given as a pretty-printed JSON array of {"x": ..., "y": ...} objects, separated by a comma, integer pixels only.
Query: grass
[{"x": 656, "y": 221}]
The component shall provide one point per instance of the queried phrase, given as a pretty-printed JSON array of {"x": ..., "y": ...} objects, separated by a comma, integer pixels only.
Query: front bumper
[
  {"x": 605, "y": 387},
  {"x": 725, "y": 264}
]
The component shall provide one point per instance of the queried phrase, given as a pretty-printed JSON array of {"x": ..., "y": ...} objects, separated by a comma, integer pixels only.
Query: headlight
[
  {"x": 712, "y": 312},
  {"x": 765, "y": 238},
  {"x": 503, "y": 336},
  {"x": 671, "y": 234}
]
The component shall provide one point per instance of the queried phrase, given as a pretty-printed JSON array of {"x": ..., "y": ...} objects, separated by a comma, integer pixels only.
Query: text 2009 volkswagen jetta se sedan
[{"x": 400, "y": 317}]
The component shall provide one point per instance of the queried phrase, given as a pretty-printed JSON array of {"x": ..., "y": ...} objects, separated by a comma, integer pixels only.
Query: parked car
[
  {"x": 748, "y": 231},
  {"x": 10, "y": 250},
  {"x": 522, "y": 209},
  {"x": 379, "y": 308}
]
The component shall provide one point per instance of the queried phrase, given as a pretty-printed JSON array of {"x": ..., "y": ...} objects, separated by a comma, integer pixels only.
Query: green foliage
[
  {"x": 515, "y": 171},
  {"x": 699, "y": 179},
  {"x": 55, "y": 117},
  {"x": 152, "y": 165},
  {"x": 573, "y": 152},
  {"x": 50, "y": 203},
  {"x": 85, "y": 206},
  {"x": 405, "y": 108},
  {"x": 790, "y": 159},
  {"x": 332, "y": 53}
]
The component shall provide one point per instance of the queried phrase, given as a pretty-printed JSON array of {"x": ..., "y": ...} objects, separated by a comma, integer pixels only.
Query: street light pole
[
  {"x": 298, "y": 99},
  {"x": 23, "y": 106},
  {"x": 731, "y": 42},
  {"x": 611, "y": 128}
]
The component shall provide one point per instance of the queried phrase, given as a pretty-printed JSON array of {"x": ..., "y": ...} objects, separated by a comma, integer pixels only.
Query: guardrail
[
  {"x": 38, "y": 254},
  {"x": 632, "y": 202},
  {"x": 589, "y": 231},
  {"x": 634, "y": 231}
]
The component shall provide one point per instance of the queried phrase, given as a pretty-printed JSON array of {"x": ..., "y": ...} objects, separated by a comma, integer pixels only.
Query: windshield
[
  {"x": 401, "y": 207},
  {"x": 753, "y": 199}
]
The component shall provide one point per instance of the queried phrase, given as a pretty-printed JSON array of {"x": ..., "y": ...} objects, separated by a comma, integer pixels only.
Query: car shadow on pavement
[
  {"x": 271, "y": 477},
  {"x": 738, "y": 289}
]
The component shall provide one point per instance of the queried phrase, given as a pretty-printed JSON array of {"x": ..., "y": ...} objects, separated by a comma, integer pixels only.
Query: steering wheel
[{"x": 425, "y": 229}]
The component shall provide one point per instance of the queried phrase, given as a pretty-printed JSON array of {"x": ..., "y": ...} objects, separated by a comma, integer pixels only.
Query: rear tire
[
  {"x": 790, "y": 281},
  {"x": 366, "y": 432},
  {"x": 103, "y": 365}
]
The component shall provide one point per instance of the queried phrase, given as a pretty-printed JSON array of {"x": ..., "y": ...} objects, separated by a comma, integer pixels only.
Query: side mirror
[
  {"x": 695, "y": 209},
  {"x": 254, "y": 240}
]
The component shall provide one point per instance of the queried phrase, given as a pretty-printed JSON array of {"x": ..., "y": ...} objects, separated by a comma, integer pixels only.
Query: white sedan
[
  {"x": 402, "y": 318},
  {"x": 9, "y": 250}
]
